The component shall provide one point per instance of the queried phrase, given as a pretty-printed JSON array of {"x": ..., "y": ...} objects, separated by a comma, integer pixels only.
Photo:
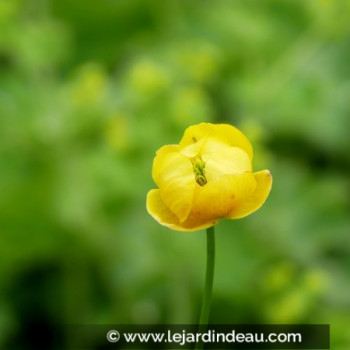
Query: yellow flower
[{"x": 207, "y": 176}]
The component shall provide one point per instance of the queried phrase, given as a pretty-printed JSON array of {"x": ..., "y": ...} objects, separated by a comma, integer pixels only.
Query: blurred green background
[{"x": 90, "y": 90}]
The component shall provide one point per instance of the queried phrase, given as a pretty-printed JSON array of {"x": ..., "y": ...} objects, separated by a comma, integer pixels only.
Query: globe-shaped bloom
[{"x": 207, "y": 176}]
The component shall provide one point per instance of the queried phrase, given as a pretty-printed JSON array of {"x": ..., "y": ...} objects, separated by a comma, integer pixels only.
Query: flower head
[{"x": 207, "y": 176}]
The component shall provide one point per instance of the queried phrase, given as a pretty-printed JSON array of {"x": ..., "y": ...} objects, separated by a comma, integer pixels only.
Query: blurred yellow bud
[
  {"x": 316, "y": 281},
  {"x": 147, "y": 77},
  {"x": 117, "y": 132},
  {"x": 289, "y": 309},
  {"x": 190, "y": 105},
  {"x": 198, "y": 60},
  {"x": 90, "y": 85}
]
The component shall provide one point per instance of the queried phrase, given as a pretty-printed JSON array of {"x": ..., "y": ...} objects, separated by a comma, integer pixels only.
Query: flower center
[{"x": 199, "y": 170}]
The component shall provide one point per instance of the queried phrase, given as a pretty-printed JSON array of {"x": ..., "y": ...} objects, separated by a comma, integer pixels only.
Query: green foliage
[{"x": 89, "y": 91}]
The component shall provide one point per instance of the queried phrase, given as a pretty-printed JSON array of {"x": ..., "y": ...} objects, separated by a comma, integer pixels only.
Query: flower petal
[
  {"x": 218, "y": 198},
  {"x": 195, "y": 225},
  {"x": 221, "y": 159},
  {"x": 158, "y": 162},
  {"x": 160, "y": 212},
  {"x": 195, "y": 133},
  {"x": 224, "y": 132},
  {"x": 177, "y": 184},
  {"x": 256, "y": 199},
  {"x": 193, "y": 149}
]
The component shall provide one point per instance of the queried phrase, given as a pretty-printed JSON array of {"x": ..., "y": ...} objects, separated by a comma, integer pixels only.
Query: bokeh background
[{"x": 90, "y": 90}]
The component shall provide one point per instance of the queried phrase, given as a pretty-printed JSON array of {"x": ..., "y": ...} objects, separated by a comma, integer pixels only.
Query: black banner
[{"x": 228, "y": 336}]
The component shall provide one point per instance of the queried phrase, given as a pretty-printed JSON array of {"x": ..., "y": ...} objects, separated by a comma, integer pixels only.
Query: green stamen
[{"x": 199, "y": 171}]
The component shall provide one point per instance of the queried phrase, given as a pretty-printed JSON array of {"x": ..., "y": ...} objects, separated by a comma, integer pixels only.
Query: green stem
[{"x": 204, "y": 317}]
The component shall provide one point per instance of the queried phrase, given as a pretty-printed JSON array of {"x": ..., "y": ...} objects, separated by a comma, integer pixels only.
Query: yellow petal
[
  {"x": 192, "y": 224},
  {"x": 177, "y": 183},
  {"x": 158, "y": 209},
  {"x": 158, "y": 161},
  {"x": 194, "y": 149},
  {"x": 195, "y": 133},
  {"x": 256, "y": 199},
  {"x": 220, "y": 159},
  {"x": 161, "y": 213},
  {"x": 218, "y": 198},
  {"x": 223, "y": 132}
]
